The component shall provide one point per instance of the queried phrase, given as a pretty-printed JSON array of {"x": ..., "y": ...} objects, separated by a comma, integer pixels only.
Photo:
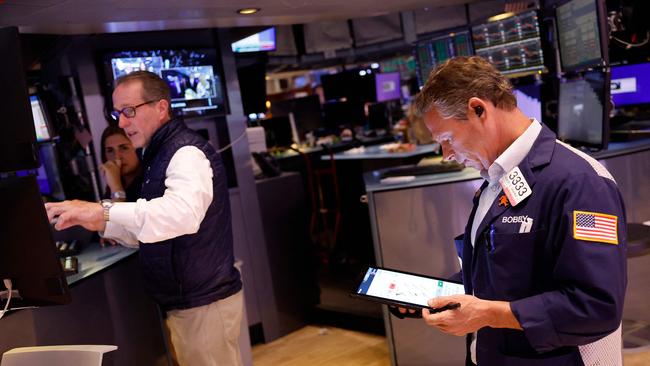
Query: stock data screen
[
  {"x": 513, "y": 44},
  {"x": 578, "y": 34},
  {"x": 431, "y": 53}
]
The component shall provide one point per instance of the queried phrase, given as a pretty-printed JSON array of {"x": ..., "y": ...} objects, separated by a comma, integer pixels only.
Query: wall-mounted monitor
[
  {"x": 431, "y": 52},
  {"x": 41, "y": 125},
  {"x": 583, "y": 110},
  {"x": 262, "y": 41},
  {"x": 580, "y": 34},
  {"x": 388, "y": 86},
  {"x": 630, "y": 84},
  {"x": 193, "y": 78},
  {"x": 512, "y": 45}
]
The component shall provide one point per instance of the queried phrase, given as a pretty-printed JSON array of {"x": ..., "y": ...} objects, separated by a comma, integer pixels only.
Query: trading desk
[{"x": 413, "y": 225}]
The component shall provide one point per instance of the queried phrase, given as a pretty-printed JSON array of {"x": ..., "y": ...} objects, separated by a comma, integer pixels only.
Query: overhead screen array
[
  {"x": 579, "y": 37},
  {"x": 432, "y": 52},
  {"x": 513, "y": 44}
]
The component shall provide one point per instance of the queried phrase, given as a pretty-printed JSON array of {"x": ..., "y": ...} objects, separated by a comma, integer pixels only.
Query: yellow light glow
[
  {"x": 268, "y": 104},
  {"x": 248, "y": 11},
  {"x": 500, "y": 16}
]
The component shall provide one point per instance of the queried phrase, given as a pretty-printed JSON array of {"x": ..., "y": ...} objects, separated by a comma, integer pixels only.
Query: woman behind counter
[{"x": 120, "y": 166}]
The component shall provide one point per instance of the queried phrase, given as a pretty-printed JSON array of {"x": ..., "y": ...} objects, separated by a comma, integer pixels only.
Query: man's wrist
[{"x": 501, "y": 316}]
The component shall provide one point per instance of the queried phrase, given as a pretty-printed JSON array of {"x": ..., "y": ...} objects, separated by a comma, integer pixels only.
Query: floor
[{"x": 325, "y": 346}]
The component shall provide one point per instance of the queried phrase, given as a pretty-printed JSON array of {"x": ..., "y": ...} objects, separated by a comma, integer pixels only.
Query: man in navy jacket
[{"x": 543, "y": 253}]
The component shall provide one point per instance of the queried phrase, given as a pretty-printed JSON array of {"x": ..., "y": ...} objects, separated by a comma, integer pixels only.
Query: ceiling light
[
  {"x": 500, "y": 16},
  {"x": 248, "y": 11}
]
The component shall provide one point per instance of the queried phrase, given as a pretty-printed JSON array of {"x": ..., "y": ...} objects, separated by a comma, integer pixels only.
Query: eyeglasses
[{"x": 128, "y": 112}]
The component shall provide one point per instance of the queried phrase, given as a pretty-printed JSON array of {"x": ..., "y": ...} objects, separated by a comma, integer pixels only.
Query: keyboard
[{"x": 417, "y": 170}]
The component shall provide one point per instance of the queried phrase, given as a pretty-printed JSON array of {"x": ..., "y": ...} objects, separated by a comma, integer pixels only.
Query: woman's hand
[{"x": 111, "y": 171}]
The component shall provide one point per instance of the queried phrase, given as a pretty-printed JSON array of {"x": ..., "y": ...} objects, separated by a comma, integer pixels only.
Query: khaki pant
[{"x": 207, "y": 335}]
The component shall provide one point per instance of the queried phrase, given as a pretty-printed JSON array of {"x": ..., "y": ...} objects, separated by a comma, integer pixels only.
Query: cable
[
  {"x": 8, "y": 285},
  {"x": 232, "y": 143},
  {"x": 630, "y": 45}
]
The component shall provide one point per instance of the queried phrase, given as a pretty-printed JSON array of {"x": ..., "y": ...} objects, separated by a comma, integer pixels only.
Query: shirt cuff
[
  {"x": 533, "y": 316},
  {"x": 122, "y": 213}
]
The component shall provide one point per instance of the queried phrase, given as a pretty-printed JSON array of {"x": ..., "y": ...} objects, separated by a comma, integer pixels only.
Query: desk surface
[
  {"x": 94, "y": 258},
  {"x": 377, "y": 152}
]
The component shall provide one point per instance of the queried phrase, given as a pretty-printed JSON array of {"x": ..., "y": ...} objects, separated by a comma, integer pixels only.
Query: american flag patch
[{"x": 594, "y": 226}]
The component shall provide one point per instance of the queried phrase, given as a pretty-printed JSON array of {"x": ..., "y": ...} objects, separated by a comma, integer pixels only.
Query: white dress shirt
[
  {"x": 180, "y": 210},
  {"x": 507, "y": 161}
]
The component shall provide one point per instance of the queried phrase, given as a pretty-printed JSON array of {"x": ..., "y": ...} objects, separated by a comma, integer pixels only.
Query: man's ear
[
  {"x": 476, "y": 106},
  {"x": 163, "y": 107}
]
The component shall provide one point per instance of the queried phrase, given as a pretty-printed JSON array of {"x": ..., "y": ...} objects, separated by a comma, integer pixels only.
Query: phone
[{"x": 404, "y": 289}]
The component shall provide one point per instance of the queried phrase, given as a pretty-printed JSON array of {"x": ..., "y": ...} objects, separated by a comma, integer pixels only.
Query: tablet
[{"x": 403, "y": 289}]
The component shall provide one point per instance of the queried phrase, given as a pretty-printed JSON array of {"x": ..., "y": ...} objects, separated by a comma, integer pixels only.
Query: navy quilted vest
[{"x": 196, "y": 269}]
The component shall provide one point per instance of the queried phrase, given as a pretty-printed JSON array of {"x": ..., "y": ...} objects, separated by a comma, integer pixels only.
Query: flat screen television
[
  {"x": 583, "y": 110},
  {"x": 262, "y": 41},
  {"x": 41, "y": 125},
  {"x": 192, "y": 75},
  {"x": 388, "y": 86},
  {"x": 28, "y": 255},
  {"x": 433, "y": 51},
  {"x": 581, "y": 28},
  {"x": 512, "y": 45},
  {"x": 630, "y": 84}
]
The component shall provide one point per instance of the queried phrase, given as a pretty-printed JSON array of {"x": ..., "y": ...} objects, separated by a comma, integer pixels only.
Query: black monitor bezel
[
  {"x": 604, "y": 142},
  {"x": 28, "y": 255},
  {"x": 107, "y": 55},
  {"x": 601, "y": 16}
]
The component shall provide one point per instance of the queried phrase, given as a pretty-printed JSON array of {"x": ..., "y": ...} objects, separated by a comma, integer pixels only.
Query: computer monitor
[
  {"x": 581, "y": 34},
  {"x": 357, "y": 86},
  {"x": 630, "y": 84},
  {"x": 529, "y": 100},
  {"x": 512, "y": 45},
  {"x": 277, "y": 131},
  {"x": 28, "y": 255},
  {"x": 337, "y": 114},
  {"x": 262, "y": 41},
  {"x": 583, "y": 110},
  {"x": 307, "y": 113},
  {"x": 378, "y": 116},
  {"x": 17, "y": 137},
  {"x": 388, "y": 86},
  {"x": 195, "y": 84},
  {"x": 41, "y": 124},
  {"x": 433, "y": 51}
]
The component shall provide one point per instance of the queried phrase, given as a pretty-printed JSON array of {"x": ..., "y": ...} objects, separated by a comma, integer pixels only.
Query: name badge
[{"x": 515, "y": 187}]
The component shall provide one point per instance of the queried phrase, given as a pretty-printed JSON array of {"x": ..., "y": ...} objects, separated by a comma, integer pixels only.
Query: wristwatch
[
  {"x": 118, "y": 195},
  {"x": 106, "y": 205}
]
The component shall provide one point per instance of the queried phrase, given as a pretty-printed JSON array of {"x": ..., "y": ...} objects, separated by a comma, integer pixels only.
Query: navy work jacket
[{"x": 566, "y": 291}]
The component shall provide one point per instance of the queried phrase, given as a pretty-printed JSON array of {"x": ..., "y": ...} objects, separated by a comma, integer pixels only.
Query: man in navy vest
[
  {"x": 543, "y": 253},
  {"x": 181, "y": 224}
]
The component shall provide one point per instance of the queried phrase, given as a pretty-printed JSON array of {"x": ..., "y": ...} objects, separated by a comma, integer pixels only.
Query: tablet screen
[{"x": 404, "y": 287}]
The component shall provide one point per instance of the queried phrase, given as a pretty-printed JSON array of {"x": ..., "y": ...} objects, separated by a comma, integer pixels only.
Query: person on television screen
[
  {"x": 181, "y": 223},
  {"x": 544, "y": 250}
]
